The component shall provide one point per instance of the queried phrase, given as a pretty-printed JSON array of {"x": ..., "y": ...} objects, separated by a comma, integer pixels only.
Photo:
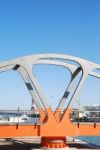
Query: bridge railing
[
  {"x": 85, "y": 116},
  {"x": 18, "y": 116},
  {"x": 29, "y": 117}
]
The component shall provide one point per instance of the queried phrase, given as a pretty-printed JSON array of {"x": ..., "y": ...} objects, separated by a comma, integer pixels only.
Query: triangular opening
[{"x": 53, "y": 81}]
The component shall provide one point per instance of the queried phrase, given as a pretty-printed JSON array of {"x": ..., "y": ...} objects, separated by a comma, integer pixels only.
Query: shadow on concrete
[{"x": 11, "y": 144}]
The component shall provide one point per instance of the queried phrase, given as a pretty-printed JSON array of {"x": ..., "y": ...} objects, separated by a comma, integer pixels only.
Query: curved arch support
[{"x": 24, "y": 66}]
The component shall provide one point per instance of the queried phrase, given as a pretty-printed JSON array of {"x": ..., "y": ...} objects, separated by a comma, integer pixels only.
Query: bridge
[{"x": 53, "y": 126}]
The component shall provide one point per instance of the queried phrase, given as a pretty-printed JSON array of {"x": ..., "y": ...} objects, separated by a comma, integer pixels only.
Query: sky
[{"x": 46, "y": 26}]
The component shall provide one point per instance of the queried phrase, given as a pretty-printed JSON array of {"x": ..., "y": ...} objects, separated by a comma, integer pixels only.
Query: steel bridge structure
[{"x": 52, "y": 125}]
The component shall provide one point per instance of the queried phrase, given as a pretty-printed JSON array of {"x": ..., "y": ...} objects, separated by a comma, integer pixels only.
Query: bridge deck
[{"x": 30, "y": 143}]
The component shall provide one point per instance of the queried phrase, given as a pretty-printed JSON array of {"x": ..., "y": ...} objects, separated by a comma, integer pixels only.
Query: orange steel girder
[{"x": 51, "y": 128}]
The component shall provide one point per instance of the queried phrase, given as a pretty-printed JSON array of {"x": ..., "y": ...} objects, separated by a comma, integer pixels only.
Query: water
[{"x": 94, "y": 139}]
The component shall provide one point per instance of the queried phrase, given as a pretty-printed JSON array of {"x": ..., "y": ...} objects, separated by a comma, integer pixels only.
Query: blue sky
[{"x": 49, "y": 26}]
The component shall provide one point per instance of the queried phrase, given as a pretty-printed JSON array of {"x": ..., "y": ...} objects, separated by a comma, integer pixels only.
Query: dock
[{"x": 33, "y": 143}]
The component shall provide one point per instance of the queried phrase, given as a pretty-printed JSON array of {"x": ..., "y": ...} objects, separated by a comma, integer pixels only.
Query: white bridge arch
[{"x": 24, "y": 66}]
